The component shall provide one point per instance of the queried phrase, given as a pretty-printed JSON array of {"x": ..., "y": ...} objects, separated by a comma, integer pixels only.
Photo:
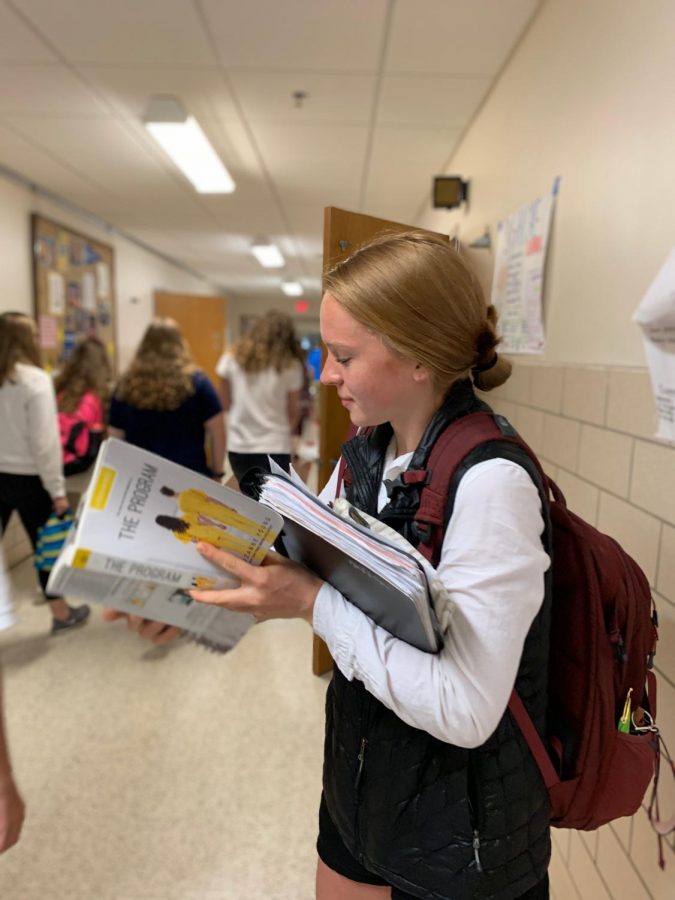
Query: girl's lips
[{"x": 346, "y": 400}]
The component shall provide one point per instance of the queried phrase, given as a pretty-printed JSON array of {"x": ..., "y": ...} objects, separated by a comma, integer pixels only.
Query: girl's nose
[{"x": 329, "y": 373}]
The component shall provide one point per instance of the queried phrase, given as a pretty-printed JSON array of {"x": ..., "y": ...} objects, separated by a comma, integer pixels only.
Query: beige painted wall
[{"x": 588, "y": 95}]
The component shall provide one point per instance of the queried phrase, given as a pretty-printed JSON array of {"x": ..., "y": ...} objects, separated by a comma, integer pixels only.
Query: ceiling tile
[
  {"x": 268, "y": 96},
  {"x": 287, "y": 142},
  {"x": 430, "y": 100},
  {"x": 45, "y": 90},
  {"x": 107, "y": 154},
  {"x": 18, "y": 43},
  {"x": 72, "y": 118},
  {"x": 39, "y": 167},
  {"x": 314, "y": 35},
  {"x": 127, "y": 31},
  {"x": 203, "y": 89},
  {"x": 456, "y": 37},
  {"x": 313, "y": 163}
]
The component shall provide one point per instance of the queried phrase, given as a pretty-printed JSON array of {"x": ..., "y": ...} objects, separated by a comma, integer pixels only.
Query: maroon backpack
[{"x": 603, "y": 639}]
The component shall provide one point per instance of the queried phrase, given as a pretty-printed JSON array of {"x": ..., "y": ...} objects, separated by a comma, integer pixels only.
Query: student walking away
[
  {"x": 429, "y": 788},
  {"x": 164, "y": 403},
  {"x": 260, "y": 385},
  {"x": 31, "y": 472},
  {"x": 82, "y": 391}
]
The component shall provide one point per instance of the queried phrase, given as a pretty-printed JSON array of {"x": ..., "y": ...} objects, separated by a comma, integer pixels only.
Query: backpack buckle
[{"x": 422, "y": 531}]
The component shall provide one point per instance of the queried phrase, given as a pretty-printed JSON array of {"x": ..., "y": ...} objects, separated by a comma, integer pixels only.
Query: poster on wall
[
  {"x": 72, "y": 289},
  {"x": 517, "y": 285},
  {"x": 656, "y": 316}
]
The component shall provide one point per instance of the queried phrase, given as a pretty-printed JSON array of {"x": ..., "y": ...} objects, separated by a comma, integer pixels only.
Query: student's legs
[
  {"x": 27, "y": 496},
  {"x": 331, "y": 886}
]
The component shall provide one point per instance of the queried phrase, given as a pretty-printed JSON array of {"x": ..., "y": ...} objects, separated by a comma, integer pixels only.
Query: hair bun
[{"x": 485, "y": 367}]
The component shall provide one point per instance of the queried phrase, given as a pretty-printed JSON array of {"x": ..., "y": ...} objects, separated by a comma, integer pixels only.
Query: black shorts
[{"x": 336, "y": 856}]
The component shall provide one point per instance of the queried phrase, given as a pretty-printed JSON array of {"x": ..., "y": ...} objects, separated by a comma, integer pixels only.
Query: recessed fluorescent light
[
  {"x": 267, "y": 254},
  {"x": 183, "y": 140},
  {"x": 291, "y": 288}
]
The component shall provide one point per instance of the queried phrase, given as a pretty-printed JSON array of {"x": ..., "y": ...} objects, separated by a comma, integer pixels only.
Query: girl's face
[{"x": 375, "y": 384}]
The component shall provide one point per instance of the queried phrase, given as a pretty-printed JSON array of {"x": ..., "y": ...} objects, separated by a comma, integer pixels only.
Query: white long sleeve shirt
[
  {"x": 29, "y": 433},
  {"x": 493, "y": 564}
]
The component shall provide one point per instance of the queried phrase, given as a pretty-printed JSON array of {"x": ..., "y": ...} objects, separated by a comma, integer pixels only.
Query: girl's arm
[
  {"x": 215, "y": 429},
  {"x": 225, "y": 393},
  {"x": 293, "y": 409},
  {"x": 493, "y": 564},
  {"x": 42, "y": 418}
]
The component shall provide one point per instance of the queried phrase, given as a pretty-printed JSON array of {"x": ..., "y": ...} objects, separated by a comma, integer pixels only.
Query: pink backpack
[{"x": 81, "y": 434}]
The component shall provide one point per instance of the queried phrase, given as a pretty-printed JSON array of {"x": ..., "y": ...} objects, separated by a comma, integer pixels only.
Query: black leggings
[{"x": 26, "y": 495}]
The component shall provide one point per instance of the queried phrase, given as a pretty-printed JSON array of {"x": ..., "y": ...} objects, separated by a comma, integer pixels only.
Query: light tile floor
[{"x": 154, "y": 774}]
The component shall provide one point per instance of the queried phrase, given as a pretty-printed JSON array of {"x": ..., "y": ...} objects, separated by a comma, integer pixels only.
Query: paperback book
[{"x": 132, "y": 546}]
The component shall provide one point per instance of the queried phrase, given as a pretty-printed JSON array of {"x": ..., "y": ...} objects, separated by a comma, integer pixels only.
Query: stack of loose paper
[{"x": 385, "y": 581}]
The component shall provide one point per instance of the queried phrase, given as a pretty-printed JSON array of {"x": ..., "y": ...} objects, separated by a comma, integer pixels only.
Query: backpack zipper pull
[
  {"x": 361, "y": 758},
  {"x": 620, "y": 650},
  {"x": 476, "y": 848}
]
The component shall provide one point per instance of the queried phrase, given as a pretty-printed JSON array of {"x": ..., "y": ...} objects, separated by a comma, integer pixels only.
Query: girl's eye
[{"x": 343, "y": 361}]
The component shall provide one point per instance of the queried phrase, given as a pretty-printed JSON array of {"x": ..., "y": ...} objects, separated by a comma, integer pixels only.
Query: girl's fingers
[
  {"x": 227, "y": 561},
  {"x": 169, "y": 634}
]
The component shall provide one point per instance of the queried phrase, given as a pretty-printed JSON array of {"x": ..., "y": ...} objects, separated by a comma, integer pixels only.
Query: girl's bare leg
[{"x": 331, "y": 886}]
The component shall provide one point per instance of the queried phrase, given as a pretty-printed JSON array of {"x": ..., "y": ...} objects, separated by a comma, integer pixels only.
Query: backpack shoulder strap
[
  {"x": 76, "y": 430},
  {"x": 453, "y": 447}
]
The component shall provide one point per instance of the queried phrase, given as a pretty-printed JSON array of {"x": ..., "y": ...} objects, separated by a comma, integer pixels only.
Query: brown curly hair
[
  {"x": 87, "y": 370},
  {"x": 269, "y": 343},
  {"x": 160, "y": 374},
  {"x": 18, "y": 344}
]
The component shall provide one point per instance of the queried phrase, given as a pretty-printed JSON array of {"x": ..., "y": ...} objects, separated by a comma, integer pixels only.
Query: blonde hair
[
  {"x": 269, "y": 343},
  {"x": 18, "y": 344},
  {"x": 160, "y": 375},
  {"x": 421, "y": 297},
  {"x": 86, "y": 370}
]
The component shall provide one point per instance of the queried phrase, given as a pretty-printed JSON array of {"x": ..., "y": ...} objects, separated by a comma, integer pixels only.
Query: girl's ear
[{"x": 420, "y": 373}]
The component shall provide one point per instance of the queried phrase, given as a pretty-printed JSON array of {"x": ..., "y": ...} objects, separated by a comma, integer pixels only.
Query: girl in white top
[
  {"x": 260, "y": 383},
  {"x": 406, "y": 327},
  {"x": 31, "y": 472}
]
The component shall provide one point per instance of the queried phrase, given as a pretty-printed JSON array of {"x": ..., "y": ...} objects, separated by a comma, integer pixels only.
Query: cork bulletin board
[{"x": 73, "y": 290}]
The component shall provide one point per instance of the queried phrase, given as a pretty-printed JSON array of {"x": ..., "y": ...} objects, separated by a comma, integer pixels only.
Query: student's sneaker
[{"x": 78, "y": 615}]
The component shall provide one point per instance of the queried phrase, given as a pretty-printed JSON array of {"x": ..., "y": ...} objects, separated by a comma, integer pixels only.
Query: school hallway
[{"x": 160, "y": 773}]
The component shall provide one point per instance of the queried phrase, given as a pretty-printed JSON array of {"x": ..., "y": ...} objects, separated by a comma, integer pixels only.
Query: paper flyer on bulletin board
[
  {"x": 656, "y": 316},
  {"x": 517, "y": 286}
]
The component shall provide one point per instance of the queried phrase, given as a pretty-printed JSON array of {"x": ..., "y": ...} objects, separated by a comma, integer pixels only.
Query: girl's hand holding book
[
  {"x": 157, "y": 632},
  {"x": 277, "y": 589}
]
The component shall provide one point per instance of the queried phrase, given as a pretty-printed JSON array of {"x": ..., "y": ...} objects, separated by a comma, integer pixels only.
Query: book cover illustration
[{"x": 133, "y": 545}]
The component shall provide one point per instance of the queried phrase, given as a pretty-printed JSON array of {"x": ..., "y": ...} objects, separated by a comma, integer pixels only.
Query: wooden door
[
  {"x": 202, "y": 320},
  {"x": 343, "y": 232}
]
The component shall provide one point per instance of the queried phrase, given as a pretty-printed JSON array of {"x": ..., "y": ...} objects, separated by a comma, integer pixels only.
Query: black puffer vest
[{"x": 435, "y": 820}]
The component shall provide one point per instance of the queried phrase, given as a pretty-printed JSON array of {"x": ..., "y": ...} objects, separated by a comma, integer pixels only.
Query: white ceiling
[{"x": 391, "y": 86}]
